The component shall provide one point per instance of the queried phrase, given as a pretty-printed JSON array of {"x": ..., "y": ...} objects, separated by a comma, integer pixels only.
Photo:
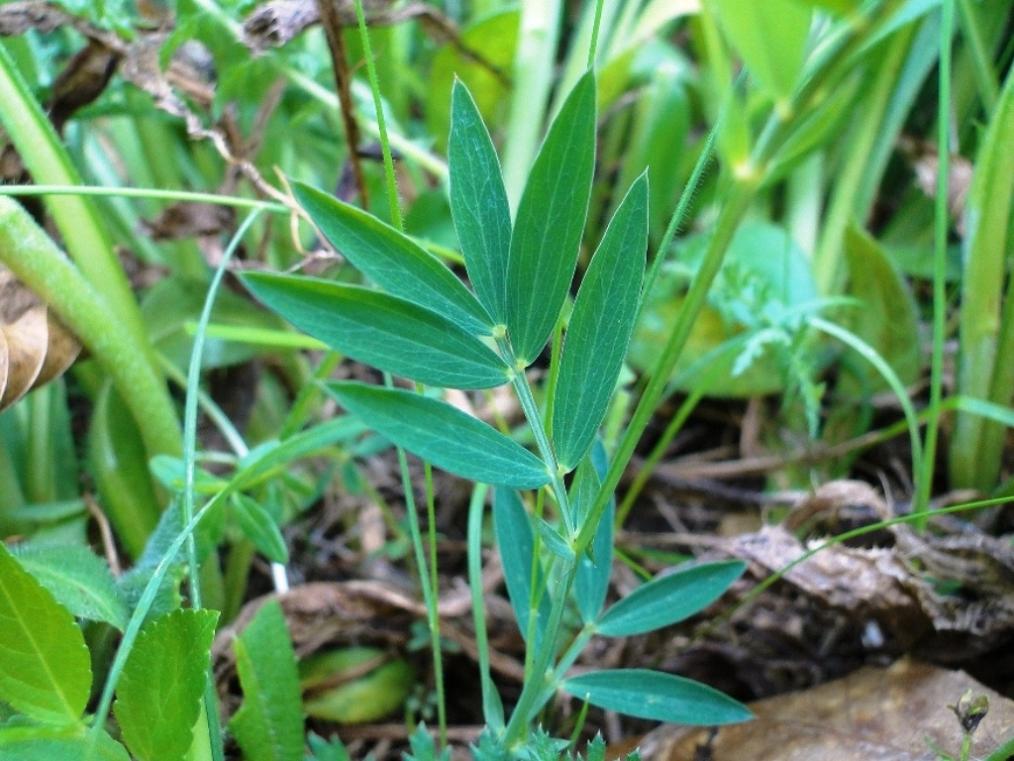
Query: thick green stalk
[
  {"x": 77, "y": 218},
  {"x": 33, "y": 257},
  {"x": 986, "y": 256}
]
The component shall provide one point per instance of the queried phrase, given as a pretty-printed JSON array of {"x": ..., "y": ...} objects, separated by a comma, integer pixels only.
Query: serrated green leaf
[
  {"x": 393, "y": 261},
  {"x": 382, "y": 330},
  {"x": 69, "y": 743},
  {"x": 45, "y": 670},
  {"x": 479, "y": 202},
  {"x": 770, "y": 37},
  {"x": 158, "y": 698},
  {"x": 600, "y": 327},
  {"x": 269, "y": 724},
  {"x": 443, "y": 435},
  {"x": 549, "y": 224},
  {"x": 516, "y": 543},
  {"x": 667, "y": 599},
  {"x": 260, "y": 528},
  {"x": 78, "y": 579},
  {"x": 657, "y": 696}
]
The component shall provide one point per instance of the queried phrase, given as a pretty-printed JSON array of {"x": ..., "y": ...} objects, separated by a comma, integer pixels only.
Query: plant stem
[
  {"x": 924, "y": 483},
  {"x": 189, "y": 470},
  {"x": 490, "y": 700},
  {"x": 428, "y": 579},
  {"x": 149, "y": 193}
]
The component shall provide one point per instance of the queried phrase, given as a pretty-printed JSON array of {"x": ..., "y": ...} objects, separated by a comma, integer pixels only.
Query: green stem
[
  {"x": 378, "y": 105},
  {"x": 428, "y": 578},
  {"x": 189, "y": 469},
  {"x": 491, "y": 708},
  {"x": 924, "y": 484},
  {"x": 989, "y": 89},
  {"x": 148, "y": 193},
  {"x": 33, "y": 257}
]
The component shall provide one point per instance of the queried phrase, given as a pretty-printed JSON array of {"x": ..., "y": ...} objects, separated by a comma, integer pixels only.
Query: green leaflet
[
  {"x": 382, "y": 330},
  {"x": 78, "y": 579},
  {"x": 770, "y": 37},
  {"x": 550, "y": 220},
  {"x": 667, "y": 599},
  {"x": 479, "y": 202},
  {"x": 269, "y": 724},
  {"x": 591, "y": 582},
  {"x": 392, "y": 260},
  {"x": 657, "y": 696},
  {"x": 516, "y": 543},
  {"x": 45, "y": 671},
  {"x": 443, "y": 435},
  {"x": 600, "y": 328},
  {"x": 159, "y": 695},
  {"x": 260, "y": 528}
]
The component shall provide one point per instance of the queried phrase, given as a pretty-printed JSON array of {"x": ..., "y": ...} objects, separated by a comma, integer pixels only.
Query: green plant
[{"x": 426, "y": 326}]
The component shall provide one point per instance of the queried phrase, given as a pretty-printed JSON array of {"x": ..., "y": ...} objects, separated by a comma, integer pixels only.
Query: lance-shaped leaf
[
  {"x": 657, "y": 696},
  {"x": 392, "y": 260},
  {"x": 550, "y": 220},
  {"x": 260, "y": 528},
  {"x": 591, "y": 582},
  {"x": 78, "y": 579},
  {"x": 479, "y": 202},
  {"x": 269, "y": 724},
  {"x": 600, "y": 328},
  {"x": 667, "y": 599},
  {"x": 382, "y": 330},
  {"x": 159, "y": 696},
  {"x": 517, "y": 547},
  {"x": 45, "y": 671},
  {"x": 443, "y": 435}
]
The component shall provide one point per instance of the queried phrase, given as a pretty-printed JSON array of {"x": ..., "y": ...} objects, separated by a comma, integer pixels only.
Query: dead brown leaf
[
  {"x": 874, "y": 714},
  {"x": 34, "y": 346}
]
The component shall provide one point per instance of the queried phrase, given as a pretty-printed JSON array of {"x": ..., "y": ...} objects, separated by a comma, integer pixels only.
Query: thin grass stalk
[
  {"x": 941, "y": 226},
  {"x": 157, "y": 194},
  {"x": 428, "y": 578},
  {"x": 490, "y": 698},
  {"x": 210, "y": 708},
  {"x": 985, "y": 76}
]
